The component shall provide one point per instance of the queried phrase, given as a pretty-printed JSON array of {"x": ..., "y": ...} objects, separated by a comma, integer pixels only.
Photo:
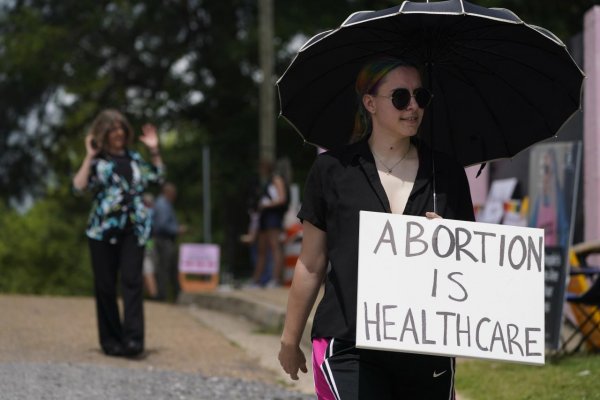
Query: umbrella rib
[
  {"x": 459, "y": 41},
  {"x": 381, "y": 39},
  {"x": 444, "y": 32},
  {"x": 331, "y": 70},
  {"x": 463, "y": 77},
  {"x": 524, "y": 98},
  {"x": 514, "y": 89},
  {"x": 457, "y": 44},
  {"x": 450, "y": 125},
  {"x": 322, "y": 109},
  {"x": 299, "y": 132},
  {"x": 507, "y": 83},
  {"x": 504, "y": 57},
  {"x": 490, "y": 52},
  {"x": 504, "y": 25}
]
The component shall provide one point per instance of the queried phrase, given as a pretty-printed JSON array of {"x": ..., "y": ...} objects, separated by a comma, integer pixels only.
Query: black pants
[
  {"x": 107, "y": 260},
  {"x": 167, "y": 279},
  {"x": 362, "y": 374}
]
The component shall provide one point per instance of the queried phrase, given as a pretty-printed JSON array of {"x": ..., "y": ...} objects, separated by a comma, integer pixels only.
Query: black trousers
[
  {"x": 108, "y": 260},
  {"x": 363, "y": 374},
  {"x": 167, "y": 279}
]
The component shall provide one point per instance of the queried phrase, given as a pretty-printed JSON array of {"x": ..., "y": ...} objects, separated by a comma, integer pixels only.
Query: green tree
[
  {"x": 185, "y": 65},
  {"x": 45, "y": 251},
  {"x": 188, "y": 66}
]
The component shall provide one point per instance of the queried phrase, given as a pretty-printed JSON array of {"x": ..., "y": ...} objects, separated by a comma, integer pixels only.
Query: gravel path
[
  {"x": 91, "y": 382},
  {"x": 49, "y": 350}
]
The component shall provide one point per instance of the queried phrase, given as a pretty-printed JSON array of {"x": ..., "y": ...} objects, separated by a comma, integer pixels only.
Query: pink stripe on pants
[{"x": 322, "y": 389}]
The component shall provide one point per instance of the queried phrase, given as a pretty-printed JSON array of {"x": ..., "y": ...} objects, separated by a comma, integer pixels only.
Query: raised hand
[
  {"x": 149, "y": 137},
  {"x": 90, "y": 147}
]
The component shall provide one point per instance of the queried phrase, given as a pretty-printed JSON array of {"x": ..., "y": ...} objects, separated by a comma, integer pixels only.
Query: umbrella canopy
[{"x": 499, "y": 84}]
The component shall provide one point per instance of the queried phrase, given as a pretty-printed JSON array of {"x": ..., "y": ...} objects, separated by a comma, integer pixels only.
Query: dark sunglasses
[{"x": 401, "y": 97}]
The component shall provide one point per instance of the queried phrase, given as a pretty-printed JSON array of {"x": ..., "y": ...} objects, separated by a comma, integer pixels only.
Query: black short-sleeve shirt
[{"x": 344, "y": 182}]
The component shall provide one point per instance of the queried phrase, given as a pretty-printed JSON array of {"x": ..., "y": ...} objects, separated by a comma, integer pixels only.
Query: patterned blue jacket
[{"x": 115, "y": 200}]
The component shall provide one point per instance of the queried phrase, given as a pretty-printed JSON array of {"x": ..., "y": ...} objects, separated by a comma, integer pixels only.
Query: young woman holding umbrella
[
  {"x": 118, "y": 226},
  {"x": 386, "y": 169}
]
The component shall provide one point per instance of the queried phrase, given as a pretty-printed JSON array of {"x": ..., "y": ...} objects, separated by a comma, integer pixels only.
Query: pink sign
[{"x": 196, "y": 258}]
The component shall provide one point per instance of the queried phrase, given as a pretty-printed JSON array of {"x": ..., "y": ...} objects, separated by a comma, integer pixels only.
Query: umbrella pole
[{"x": 430, "y": 84}]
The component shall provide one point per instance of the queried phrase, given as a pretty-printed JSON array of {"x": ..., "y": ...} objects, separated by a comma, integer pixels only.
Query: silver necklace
[{"x": 390, "y": 169}]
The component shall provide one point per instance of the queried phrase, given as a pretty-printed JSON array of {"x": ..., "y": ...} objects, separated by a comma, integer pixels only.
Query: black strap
[{"x": 480, "y": 169}]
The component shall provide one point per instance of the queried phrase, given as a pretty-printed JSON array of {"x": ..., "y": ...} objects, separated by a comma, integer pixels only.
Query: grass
[
  {"x": 268, "y": 330},
  {"x": 574, "y": 377}
]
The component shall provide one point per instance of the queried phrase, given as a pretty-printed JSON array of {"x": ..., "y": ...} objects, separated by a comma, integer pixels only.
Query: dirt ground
[{"x": 63, "y": 329}]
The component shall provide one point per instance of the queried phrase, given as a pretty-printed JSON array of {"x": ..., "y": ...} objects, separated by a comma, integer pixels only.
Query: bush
[{"x": 44, "y": 251}]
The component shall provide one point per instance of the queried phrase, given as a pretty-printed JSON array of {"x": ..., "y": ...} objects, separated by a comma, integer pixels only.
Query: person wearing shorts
[
  {"x": 272, "y": 206},
  {"x": 386, "y": 168}
]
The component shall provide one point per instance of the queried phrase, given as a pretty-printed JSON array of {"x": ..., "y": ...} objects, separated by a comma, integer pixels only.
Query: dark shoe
[
  {"x": 133, "y": 349},
  {"x": 115, "y": 350}
]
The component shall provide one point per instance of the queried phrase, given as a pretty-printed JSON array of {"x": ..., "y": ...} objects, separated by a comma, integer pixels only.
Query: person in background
[
  {"x": 272, "y": 206},
  {"x": 386, "y": 169},
  {"x": 165, "y": 231},
  {"x": 119, "y": 225},
  {"x": 150, "y": 256}
]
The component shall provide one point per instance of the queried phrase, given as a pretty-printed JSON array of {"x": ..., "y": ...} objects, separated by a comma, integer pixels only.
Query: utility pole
[
  {"x": 266, "y": 124},
  {"x": 206, "y": 193}
]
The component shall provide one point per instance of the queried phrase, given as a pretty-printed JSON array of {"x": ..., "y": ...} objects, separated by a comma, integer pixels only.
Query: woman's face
[
  {"x": 116, "y": 138},
  {"x": 546, "y": 173},
  {"x": 388, "y": 119}
]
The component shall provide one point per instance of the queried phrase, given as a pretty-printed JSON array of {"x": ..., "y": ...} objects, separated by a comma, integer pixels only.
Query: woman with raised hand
[{"x": 119, "y": 225}]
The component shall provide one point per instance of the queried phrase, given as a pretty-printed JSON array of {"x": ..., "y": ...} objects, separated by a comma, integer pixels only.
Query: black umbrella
[{"x": 500, "y": 85}]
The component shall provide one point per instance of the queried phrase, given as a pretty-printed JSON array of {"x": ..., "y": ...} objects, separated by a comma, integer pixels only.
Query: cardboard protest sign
[
  {"x": 449, "y": 287},
  {"x": 199, "y": 258}
]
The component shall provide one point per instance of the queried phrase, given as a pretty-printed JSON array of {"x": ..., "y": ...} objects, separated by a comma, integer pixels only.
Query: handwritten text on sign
[
  {"x": 198, "y": 258},
  {"x": 450, "y": 288}
]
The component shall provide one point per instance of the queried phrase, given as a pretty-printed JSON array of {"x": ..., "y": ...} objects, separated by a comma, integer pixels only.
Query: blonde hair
[{"x": 105, "y": 122}]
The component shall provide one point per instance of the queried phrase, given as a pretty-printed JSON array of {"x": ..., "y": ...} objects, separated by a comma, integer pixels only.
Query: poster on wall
[
  {"x": 553, "y": 186},
  {"x": 501, "y": 191}
]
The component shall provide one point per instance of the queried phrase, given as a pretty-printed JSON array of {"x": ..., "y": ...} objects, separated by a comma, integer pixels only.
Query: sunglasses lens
[
  {"x": 401, "y": 98},
  {"x": 423, "y": 97}
]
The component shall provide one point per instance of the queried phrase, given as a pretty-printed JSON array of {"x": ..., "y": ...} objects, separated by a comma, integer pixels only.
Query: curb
[{"x": 267, "y": 316}]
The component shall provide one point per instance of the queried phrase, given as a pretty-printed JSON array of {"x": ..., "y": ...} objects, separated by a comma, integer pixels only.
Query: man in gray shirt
[{"x": 166, "y": 228}]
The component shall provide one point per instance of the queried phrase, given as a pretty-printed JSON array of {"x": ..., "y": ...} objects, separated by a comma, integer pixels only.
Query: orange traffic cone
[{"x": 292, "y": 246}]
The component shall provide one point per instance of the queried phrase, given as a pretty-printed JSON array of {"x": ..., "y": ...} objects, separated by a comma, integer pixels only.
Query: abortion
[
  {"x": 382, "y": 323},
  {"x": 462, "y": 243}
]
